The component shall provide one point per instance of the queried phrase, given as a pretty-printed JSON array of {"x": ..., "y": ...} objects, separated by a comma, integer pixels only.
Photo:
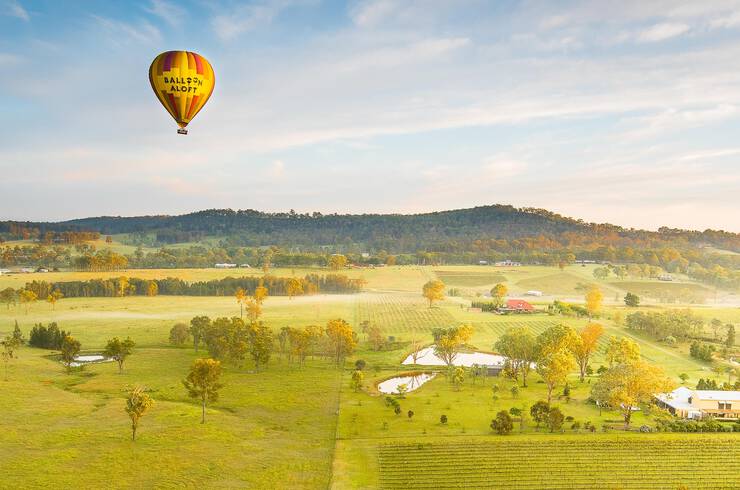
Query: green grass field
[{"x": 290, "y": 427}]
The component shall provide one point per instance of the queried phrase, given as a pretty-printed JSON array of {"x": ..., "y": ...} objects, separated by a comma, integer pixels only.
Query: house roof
[
  {"x": 719, "y": 395},
  {"x": 679, "y": 398},
  {"x": 519, "y": 304}
]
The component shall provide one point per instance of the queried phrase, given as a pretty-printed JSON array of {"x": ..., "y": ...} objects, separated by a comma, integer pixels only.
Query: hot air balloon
[{"x": 182, "y": 81}]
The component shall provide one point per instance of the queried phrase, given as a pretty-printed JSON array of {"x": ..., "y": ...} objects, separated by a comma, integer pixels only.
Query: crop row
[
  {"x": 401, "y": 315},
  {"x": 699, "y": 463}
]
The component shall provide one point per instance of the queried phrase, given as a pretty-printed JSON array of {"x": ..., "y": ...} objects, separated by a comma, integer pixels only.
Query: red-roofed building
[{"x": 518, "y": 305}]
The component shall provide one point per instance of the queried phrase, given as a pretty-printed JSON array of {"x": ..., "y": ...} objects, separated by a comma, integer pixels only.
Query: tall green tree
[
  {"x": 198, "y": 327},
  {"x": 8, "y": 296},
  {"x": 519, "y": 345},
  {"x": 261, "y": 342},
  {"x": 9, "y": 345},
  {"x": 730, "y": 337},
  {"x": 70, "y": 348},
  {"x": 119, "y": 350}
]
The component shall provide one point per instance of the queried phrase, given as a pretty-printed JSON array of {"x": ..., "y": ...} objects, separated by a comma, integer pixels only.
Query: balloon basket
[{"x": 182, "y": 131}]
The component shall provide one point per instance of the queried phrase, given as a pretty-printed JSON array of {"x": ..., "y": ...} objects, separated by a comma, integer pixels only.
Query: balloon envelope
[{"x": 183, "y": 81}]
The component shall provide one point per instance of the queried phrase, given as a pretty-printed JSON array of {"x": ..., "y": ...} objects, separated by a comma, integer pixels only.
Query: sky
[{"x": 623, "y": 112}]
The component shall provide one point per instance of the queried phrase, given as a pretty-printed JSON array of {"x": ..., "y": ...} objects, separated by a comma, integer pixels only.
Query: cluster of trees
[
  {"x": 680, "y": 324},
  {"x": 131, "y": 286},
  {"x": 27, "y": 231},
  {"x": 558, "y": 351},
  {"x": 702, "y": 351},
  {"x": 47, "y": 337},
  {"x": 711, "y": 384},
  {"x": 234, "y": 340}
]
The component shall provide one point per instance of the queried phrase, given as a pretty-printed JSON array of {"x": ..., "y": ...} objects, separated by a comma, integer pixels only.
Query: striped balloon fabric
[{"x": 183, "y": 81}]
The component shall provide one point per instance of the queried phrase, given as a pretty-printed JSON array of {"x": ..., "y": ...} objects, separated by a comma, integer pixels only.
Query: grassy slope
[{"x": 271, "y": 429}]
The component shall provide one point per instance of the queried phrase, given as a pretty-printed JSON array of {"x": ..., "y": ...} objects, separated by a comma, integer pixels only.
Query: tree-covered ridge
[{"x": 400, "y": 233}]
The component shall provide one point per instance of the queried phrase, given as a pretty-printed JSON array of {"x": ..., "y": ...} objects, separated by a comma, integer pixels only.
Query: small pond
[
  {"x": 390, "y": 386},
  {"x": 427, "y": 357},
  {"x": 89, "y": 359}
]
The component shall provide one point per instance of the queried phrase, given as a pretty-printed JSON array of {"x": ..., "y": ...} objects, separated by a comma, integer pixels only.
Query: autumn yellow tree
[
  {"x": 594, "y": 298},
  {"x": 433, "y": 291},
  {"x": 241, "y": 298},
  {"x": 54, "y": 297},
  {"x": 448, "y": 345},
  {"x": 122, "y": 286},
  {"x": 621, "y": 350},
  {"x": 585, "y": 344},
  {"x": 341, "y": 337},
  {"x": 630, "y": 384},
  {"x": 137, "y": 403},
  {"x": 254, "y": 309},
  {"x": 498, "y": 293},
  {"x": 294, "y": 287},
  {"x": 260, "y": 293},
  {"x": 554, "y": 370},
  {"x": 554, "y": 359},
  {"x": 337, "y": 261},
  {"x": 27, "y": 297},
  {"x": 152, "y": 289}
]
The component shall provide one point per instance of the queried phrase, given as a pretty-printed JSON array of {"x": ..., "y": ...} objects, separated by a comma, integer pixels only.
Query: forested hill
[{"x": 381, "y": 231}]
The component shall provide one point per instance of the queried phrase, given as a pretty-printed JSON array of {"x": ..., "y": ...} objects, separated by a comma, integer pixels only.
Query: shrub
[
  {"x": 555, "y": 419},
  {"x": 539, "y": 412},
  {"x": 502, "y": 424},
  {"x": 179, "y": 334},
  {"x": 443, "y": 419},
  {"x": 645, "y": 428}
]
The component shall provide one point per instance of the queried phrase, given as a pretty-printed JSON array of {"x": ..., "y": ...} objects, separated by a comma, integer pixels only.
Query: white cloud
[
  {"x": 726, "y": 21},
  {"x": 246, "y": 18},
  {"x": 120, "y": 32},
  {"x": 15, "y": 9},
  {"x": 679, "y": 119},
  {"x": 662, "y": 31},
  {"x": 371, "y": 12},
  {"x": 167, "y": 11}
]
